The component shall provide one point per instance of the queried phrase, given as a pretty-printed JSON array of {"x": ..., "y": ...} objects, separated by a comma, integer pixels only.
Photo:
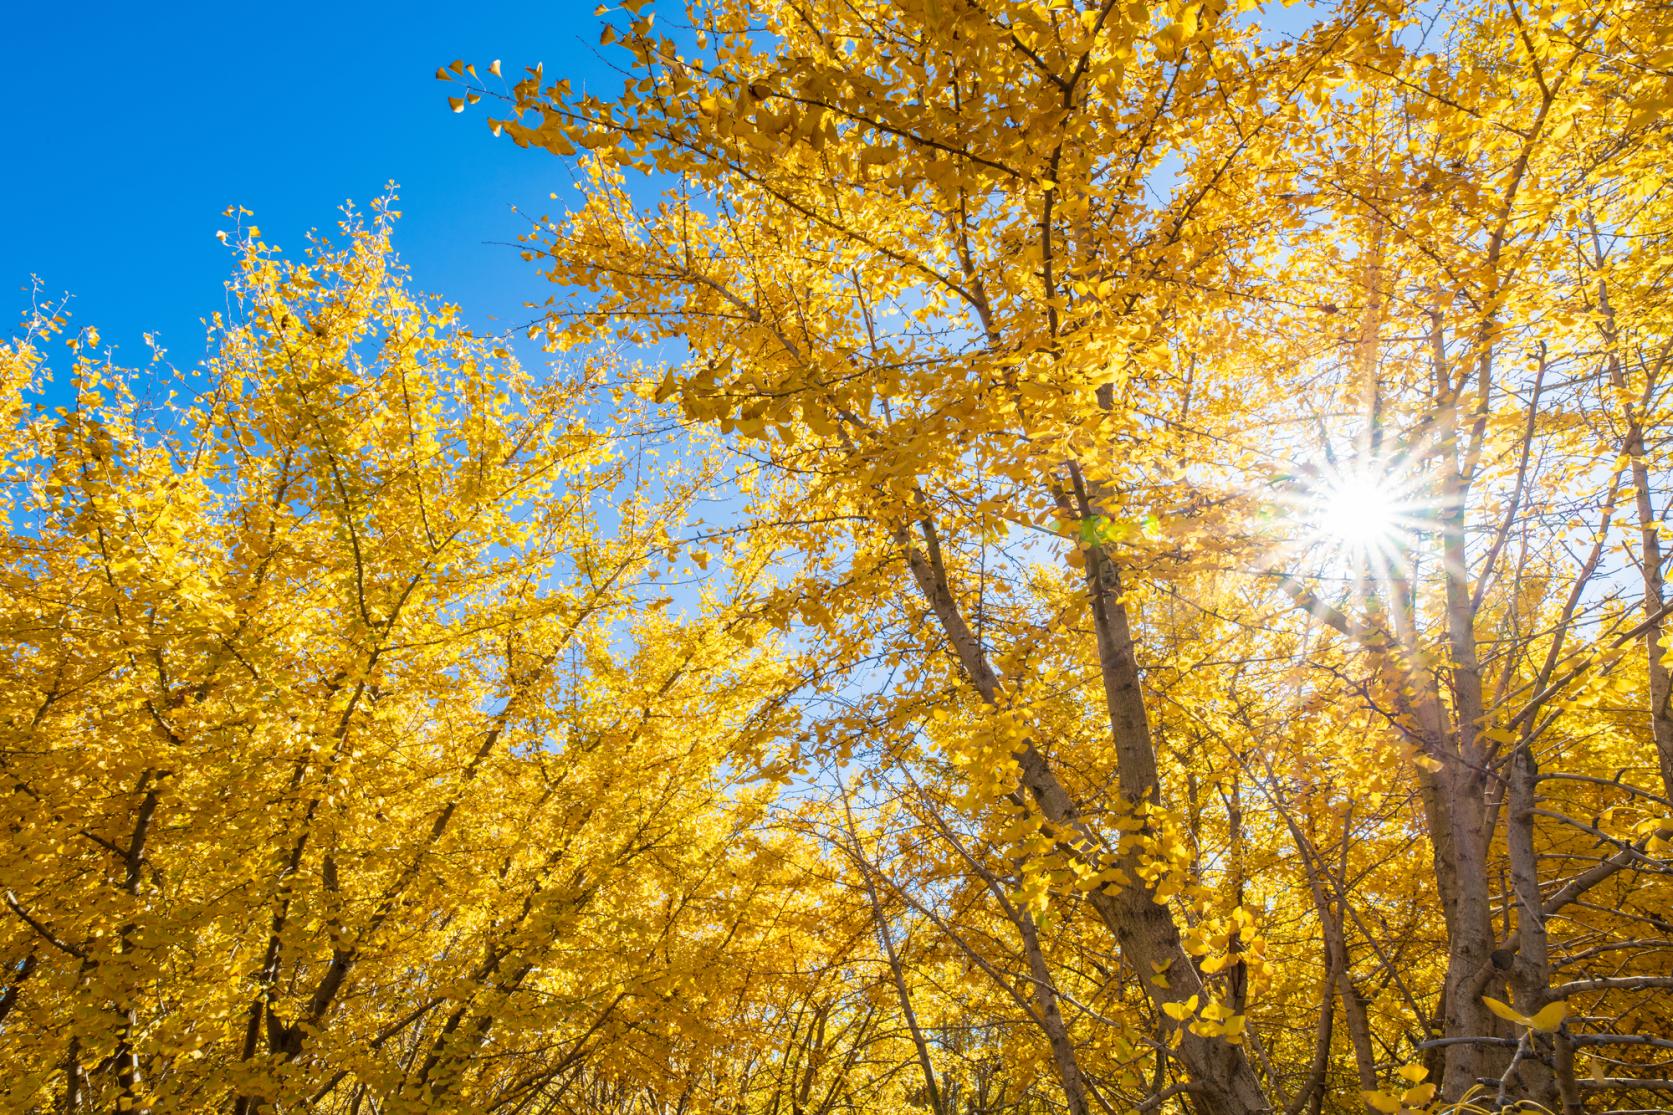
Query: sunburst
[{"x": 1354, "y": 518}]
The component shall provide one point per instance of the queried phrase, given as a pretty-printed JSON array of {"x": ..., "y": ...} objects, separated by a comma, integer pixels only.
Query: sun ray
[{"x": 1352, "y": 519}]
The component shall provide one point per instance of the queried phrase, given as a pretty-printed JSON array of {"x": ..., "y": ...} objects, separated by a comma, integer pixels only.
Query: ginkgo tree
[
  {"x": 1089, "y": 328},
  {"x": 346, "y": 718},
  {"x": 1072, "y": 556}
]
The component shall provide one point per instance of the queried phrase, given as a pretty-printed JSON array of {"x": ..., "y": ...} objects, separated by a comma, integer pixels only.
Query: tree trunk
[
  {"x": 1051, "y": 1017},
  {"x": 1222, "y": 1082},
  {"x": 1531, "y": 974}
]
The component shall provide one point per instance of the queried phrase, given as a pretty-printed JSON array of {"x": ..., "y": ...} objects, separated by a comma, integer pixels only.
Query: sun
[
  {"x": 1359, "y": 512},
  {"x": 1354, "y": 517}
]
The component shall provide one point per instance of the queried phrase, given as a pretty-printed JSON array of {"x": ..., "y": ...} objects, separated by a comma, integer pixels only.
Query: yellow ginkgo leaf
[
  {"x": 1381, "y": 1101},
  {"x": 1417, "y": 1096},
  {"x": 1549, "y": 1017},
  {"x": 1506, "y": 1011},
  {"x": 1178, "y": 1011}
]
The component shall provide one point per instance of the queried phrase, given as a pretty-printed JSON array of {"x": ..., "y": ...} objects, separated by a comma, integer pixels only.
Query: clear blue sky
[{"x": 130, "y": 127}]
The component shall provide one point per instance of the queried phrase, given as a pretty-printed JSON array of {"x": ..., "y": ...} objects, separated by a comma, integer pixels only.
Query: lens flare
[
  {"x": 1350, "y": 519},
  {"x": 1361, "y": 518},
  {"x": 1359, "y": 512}
]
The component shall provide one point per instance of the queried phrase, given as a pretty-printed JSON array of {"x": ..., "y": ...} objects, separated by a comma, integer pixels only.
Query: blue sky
[{"x": 131, "y": 127}]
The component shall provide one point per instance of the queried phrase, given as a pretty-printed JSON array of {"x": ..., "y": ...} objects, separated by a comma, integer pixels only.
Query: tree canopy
[{"x": 1070, "y": 556}]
